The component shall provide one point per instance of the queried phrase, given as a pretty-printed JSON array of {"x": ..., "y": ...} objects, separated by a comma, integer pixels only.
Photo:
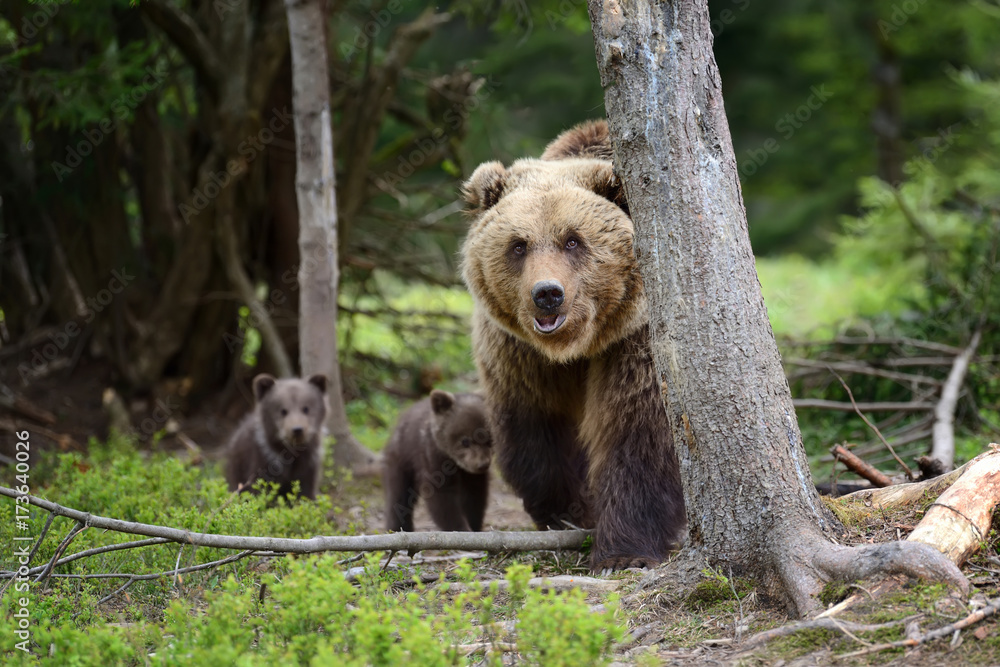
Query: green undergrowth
[
  {"x": 309, "y": 613},
  {"x": 259, "y": 611}
]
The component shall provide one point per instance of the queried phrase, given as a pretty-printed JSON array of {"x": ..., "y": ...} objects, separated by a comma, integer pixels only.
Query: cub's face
[
  {"x": 291, "y": 411},
  {"x": 460, "y": 430},
  {"x": 549, "y": 255}
]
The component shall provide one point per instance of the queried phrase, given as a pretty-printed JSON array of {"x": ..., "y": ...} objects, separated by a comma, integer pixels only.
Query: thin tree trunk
[
  {"x": 314, "y": 185},
  {"x": 750, "y": 500}
]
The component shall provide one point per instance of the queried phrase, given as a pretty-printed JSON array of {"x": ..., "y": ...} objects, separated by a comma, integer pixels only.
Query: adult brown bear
[{"x": 561, "y": 341}]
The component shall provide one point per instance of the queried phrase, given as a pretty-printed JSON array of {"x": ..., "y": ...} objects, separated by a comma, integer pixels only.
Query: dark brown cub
[{"x": 440, "y": 452}]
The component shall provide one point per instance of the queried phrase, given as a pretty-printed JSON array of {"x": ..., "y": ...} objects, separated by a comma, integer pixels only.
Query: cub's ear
[
  {"x": 441, "y": 401},
  {"x": 485, "y": 187},
  {"x": 605, "y": 182},
  {"x": 261, "y": 385},
  {"x": 319, "y": 381}
]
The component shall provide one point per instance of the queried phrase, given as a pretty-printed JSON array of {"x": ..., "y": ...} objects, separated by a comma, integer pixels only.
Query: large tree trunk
[
  {"x": 751, "y": 504},
  {"x": 316, "y": 198}
]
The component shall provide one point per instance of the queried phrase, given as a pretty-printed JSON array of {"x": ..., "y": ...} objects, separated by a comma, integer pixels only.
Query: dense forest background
[{"x": 141, "y": 142}]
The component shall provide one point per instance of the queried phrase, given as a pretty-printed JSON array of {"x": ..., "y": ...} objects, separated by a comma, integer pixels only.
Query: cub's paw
[{"x": 608, "y": 565}]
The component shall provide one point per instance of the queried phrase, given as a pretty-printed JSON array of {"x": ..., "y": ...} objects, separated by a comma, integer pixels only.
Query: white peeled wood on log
[
  {"x": 959, "y": 520},
  {"x": 974, "y": 493}
]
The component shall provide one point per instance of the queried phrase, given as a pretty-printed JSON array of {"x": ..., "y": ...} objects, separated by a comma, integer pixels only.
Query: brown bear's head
[
  {"x": 549, "y": 253},
  {"x": 291, "y": 411},
  {"x": 460, "y": 429}
]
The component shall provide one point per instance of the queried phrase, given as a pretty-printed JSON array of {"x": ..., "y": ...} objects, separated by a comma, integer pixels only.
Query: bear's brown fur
[
  {"x": 281, "y": 441},
  {"x": 440, "y": 451},
  {"x": 561, "y": 340}
]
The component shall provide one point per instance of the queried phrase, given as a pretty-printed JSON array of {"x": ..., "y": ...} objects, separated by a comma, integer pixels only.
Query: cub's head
[
  {"x": 549, "y": 253},
  {"x": 460, "y": 429},
  {"x": 291, "y": 411}
]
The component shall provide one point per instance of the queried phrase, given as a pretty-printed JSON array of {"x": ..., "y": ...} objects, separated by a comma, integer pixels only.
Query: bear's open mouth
[{"x": 546, "y": 325}]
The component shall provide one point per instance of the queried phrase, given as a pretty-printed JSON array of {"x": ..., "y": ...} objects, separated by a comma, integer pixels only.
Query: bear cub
[
  {"x": 440, "y": 451},
  {"x": 281, "y": 441}
]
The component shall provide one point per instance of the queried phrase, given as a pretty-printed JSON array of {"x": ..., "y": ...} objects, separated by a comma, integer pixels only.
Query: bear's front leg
[
  {"x": 540, "y": 457},
  {"x": 634, "y": 472}
]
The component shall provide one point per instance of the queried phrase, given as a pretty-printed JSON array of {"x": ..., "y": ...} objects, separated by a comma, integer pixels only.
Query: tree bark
[
  {"x": 750, "y": 499},
  {"x": 316, "y": 196}
]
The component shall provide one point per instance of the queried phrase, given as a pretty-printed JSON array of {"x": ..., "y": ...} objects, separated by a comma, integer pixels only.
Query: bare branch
[
  {"x": 821, "y": 624},
  {"x": 47, "y": 570},
  {"x": 862, "y": 368},
  {"x": 860, "y": 340},
  {"x": 484, "y": 541},
  {"x": 945, "y": 631},
  {"x": 876, "y": 477},
  {"x": 944, "y": 413},
  {"x": 185, "y": 34},
  {"x": 230, "y": 250},
  {"x": 823, "y": 404},
  {"x": 850, "y": 395}
]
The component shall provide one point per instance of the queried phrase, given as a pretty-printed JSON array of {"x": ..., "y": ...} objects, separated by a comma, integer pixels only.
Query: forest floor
[{"x": 666, "y": 624}]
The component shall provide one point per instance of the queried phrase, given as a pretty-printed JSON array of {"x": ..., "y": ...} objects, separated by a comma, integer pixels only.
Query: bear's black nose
[
  {"x": 298, "y": 431},
  {"x": 547, "y": 294}
]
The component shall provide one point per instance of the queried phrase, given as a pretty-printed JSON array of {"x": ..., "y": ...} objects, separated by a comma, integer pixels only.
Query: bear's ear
[
  {"x": 441, "y": 401},
  {"x": 606, "y": 183},
  {"x": 319, "y": 381},
  {"x": 485, "y": 187},
  {"x": 261, "y": 385}
]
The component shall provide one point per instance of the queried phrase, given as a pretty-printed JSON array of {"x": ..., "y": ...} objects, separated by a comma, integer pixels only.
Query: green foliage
[{"x": 283, "y": 611}]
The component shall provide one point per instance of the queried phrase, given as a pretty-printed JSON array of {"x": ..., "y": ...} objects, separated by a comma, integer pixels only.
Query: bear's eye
[
  {"x": 520, "y": 248},
  {"x": 284, "y": 412},
  {"x": 466, "y": 442},
  {"x": 571, "y": 243},
  {"x": 305, "y": 410}
]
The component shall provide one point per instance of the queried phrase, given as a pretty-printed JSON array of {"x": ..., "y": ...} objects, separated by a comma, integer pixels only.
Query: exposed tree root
[{"x": 803, "y": 575}]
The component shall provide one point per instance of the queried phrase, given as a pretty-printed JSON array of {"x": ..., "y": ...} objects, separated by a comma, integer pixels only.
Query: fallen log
[
  {"x": 959, "y": 520},
  {"x": 955, "y": 524}
]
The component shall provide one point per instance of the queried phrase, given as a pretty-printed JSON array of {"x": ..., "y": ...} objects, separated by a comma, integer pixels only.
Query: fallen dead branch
[
  {"x": 857, "y": 410},
  {"x": 833, "y": 624},
  {"x": 842, "y": 406},
  {"x": 489, "y": 647},
  {"x": 975, "y": 617},
  {"x": 855, "y": 464},
  {"x": 562, "y": 582},
  {"x": 899, "y": 342},
  {"x": 905, "y": 494},
  {"x": 494, "y": 541}
]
